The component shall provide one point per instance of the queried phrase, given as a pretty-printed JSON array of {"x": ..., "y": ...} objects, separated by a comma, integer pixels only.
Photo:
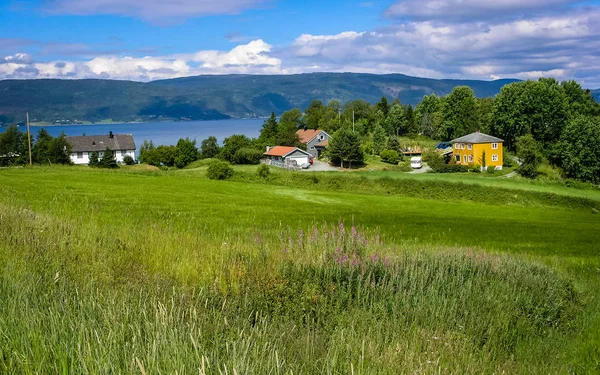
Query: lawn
[{"x": 115, "y": 271}]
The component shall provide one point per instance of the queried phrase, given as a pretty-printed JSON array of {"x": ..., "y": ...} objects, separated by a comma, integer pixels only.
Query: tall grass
[{"x": 77, "y": 297}]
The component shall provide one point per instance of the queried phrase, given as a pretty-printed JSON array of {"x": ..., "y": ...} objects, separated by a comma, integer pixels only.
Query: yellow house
[{"x": 470, "y": 149}]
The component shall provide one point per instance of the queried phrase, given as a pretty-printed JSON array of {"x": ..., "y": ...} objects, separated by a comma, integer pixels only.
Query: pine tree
[
  {"x": 94, "y": 159},
  {"x": 108, "y": 160}
]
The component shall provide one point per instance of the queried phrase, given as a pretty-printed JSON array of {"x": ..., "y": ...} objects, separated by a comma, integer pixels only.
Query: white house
[
  {"x": 82, "y": 146},
  {"x": 286, "y": 157}
]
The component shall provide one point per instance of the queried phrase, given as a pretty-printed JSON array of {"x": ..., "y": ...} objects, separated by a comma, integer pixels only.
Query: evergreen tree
[
  {"x": 460, "y": 113},
  {"x": 108, "y": 160},
  {"x": 94, "y": 159},
  {"x": 313, "y": 114},
  {"x": 268, "y": 133},
  {"x": 383, "y": 106},
  {"x": 41, "y": 147},
  {"x": 378, "y": 140},
  {"x": 59, "y": 150}
]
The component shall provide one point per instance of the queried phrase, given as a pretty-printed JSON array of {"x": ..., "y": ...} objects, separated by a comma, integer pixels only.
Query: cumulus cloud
[
  {"x": 157, "y": 11},
  {"x": 563, "y": 46},
  {"x": 251, "y": 58}
]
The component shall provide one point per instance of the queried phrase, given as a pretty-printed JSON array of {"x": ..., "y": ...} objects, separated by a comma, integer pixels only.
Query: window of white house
[
  {"x": 470, "y": 146},
  {"x": 312, "y": 147},
  {"x": 494, "y": 157},
  {"x": 494, "y": 146},
  {"x": 322, "y": 137},
  {"x": 457, "y": 158},
  {"x": 80, "y": 155},
  {"x": 470, "y": 158}
]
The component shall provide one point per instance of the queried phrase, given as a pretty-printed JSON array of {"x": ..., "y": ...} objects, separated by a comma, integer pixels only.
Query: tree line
[{"x": 45, "y": 149}]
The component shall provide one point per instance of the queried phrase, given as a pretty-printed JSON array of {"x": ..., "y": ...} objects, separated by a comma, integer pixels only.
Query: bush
[
  {"x": 451, "y": 168},
  {"x": 491, "y": 170},
  {"x": 263, "y": 171},
  {"x": 128, "y": 160},
  {"x": 389, "y": 156},
  {"x": 219, "y": 170},
  {"x": 247, "y": 155},
  {"x": 475, "y": 168}
]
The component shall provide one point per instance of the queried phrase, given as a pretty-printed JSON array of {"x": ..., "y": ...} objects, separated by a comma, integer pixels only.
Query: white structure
[
  {"x": 287, "y": 157},
  {"x": 82, "y": 146}
]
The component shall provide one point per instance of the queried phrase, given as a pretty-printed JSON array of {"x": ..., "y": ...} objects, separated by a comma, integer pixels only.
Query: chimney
[
  {"x": 110, "y": 134},
  {"x": 268, "y": 148}
]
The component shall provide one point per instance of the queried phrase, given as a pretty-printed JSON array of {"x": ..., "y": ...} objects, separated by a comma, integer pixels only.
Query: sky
[{"x": 158, "y": 39}]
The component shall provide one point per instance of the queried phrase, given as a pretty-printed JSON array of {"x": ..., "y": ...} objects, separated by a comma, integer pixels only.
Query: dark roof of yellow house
[{"x": 477, "y": 137}]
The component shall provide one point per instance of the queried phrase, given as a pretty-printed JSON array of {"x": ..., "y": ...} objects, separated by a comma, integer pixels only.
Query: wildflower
[
  {"x": 341, "y": 227},
  {"x": 354, "y": 233},
  {"x": 300, "y": 235}
]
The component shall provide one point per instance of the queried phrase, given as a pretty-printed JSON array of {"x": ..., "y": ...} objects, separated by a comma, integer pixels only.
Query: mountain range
[{"x": 210, "y": 97}]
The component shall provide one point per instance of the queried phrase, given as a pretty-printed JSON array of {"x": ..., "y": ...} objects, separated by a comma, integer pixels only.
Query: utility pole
[
  {"x": 29, "y": 140},
  {"x": 353, "y": 121}
]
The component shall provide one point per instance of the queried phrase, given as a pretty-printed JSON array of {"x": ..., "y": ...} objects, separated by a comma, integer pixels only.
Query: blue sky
[{"x": 156, "y": 39}]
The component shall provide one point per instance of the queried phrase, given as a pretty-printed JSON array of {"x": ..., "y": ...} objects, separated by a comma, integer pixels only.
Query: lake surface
[{"x": 161, "y": 133}]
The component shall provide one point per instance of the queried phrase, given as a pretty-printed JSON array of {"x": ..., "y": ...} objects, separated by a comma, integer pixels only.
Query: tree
[
  {"x": 396, "y": 121},
  {"x": 219, "y": 170},
  {"x": 59, "y": 150},
  {"x": 529, "y": 155},
  {"x": 383, "y": 106},
  {"x": 165, "y": 155},
  {"x": 209, "y": 148},
  {"x": 378, "y": 140},
  {"x": 108, "y": 160},
  {"x": 539, "y": 108},
  {"x": 394, "y": 144},
  {"x": 146, "y": 149},
  {"x": 460, "y": 113},
  {"x": 485, "y": 107},
  {"x": 94, "y": 159},
  {"x": 268, "y": 133},
  {"x": 41, "y": 148},
  {"x": 186, "y": 152},
  {"x": 289, "y": 123},
  {"x": 483, "y": 160},
  {"x": 344, "y": 146},
  {"x": 232, "y": 144},
  {"x": 409, "y": 120},
  {"x": 580, "y": 149},
  {"x": 10, "y": 145},
  {"x": 313, "y": 114},
  {"x": 580, "y": 101},
  {"x": 429, "y": 116}
]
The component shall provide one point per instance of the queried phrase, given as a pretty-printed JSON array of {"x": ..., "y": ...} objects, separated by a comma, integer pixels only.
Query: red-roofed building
[
  {"x": 315, "y": 141},
  {"x": 287, "y": 157}
]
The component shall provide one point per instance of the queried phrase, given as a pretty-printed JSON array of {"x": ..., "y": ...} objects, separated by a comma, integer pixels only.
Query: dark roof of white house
[
  {"x": 90, "y": 143},
  {"x": 477, "y": 137}
]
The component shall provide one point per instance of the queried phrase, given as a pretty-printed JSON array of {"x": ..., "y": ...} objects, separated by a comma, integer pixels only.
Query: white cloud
[
  {"x": 251, "y": 58},
  {"x": 157, "y": 11}
]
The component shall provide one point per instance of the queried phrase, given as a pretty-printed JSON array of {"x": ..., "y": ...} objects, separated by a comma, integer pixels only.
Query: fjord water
[{"x": 161, "y": 133}]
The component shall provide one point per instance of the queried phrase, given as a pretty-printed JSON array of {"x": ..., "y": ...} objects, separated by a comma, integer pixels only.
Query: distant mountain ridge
[{"x": 212, "y": 96}]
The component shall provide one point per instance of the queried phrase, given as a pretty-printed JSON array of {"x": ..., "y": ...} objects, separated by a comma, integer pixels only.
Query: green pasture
[{"x": 139, "y": 270}]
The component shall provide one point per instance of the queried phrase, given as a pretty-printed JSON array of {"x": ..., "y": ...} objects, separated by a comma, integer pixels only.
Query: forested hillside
[{"x": 211, "y": 97}]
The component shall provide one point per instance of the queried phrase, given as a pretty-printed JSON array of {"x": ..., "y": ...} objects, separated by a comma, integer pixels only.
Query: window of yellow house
[
  {"x": 494, "y": 146},
  {"x": 470, "y": 146},
  {"x": 465, "y": 159},
  {"x": 456, "y": 146},
  {"x": 462, "y": 146},
  {"x": 470, "y": 158},
  {"x": 494, "y": 157},
  {"x": 457, "y": 158}
]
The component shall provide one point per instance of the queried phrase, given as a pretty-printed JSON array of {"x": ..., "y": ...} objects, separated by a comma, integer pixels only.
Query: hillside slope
[{"x": 211, "y": 96}]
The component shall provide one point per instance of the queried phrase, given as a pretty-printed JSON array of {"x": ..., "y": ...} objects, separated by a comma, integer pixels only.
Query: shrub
[
  {"x": 475, "y": 168},
  {"x": 263, "y": 171},
  {"x": 491, "y": 169},
  {"x": 219, "y": 170},
  {"x": 451, "y": 168},
  {"x": 247, "y": 155},
  {"x": 389, "y": 156},
  {"x": 128, "y": 160}
]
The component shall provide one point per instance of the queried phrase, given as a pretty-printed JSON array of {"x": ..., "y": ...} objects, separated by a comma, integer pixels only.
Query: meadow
[{"x": 146, "y": 271}]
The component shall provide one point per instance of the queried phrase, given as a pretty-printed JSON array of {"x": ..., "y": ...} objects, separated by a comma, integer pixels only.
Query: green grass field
[{"x": 138, "y": 270}]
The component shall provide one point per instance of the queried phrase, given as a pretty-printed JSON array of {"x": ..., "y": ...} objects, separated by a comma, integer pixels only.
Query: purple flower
[{"x": 342, "y": 227}]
